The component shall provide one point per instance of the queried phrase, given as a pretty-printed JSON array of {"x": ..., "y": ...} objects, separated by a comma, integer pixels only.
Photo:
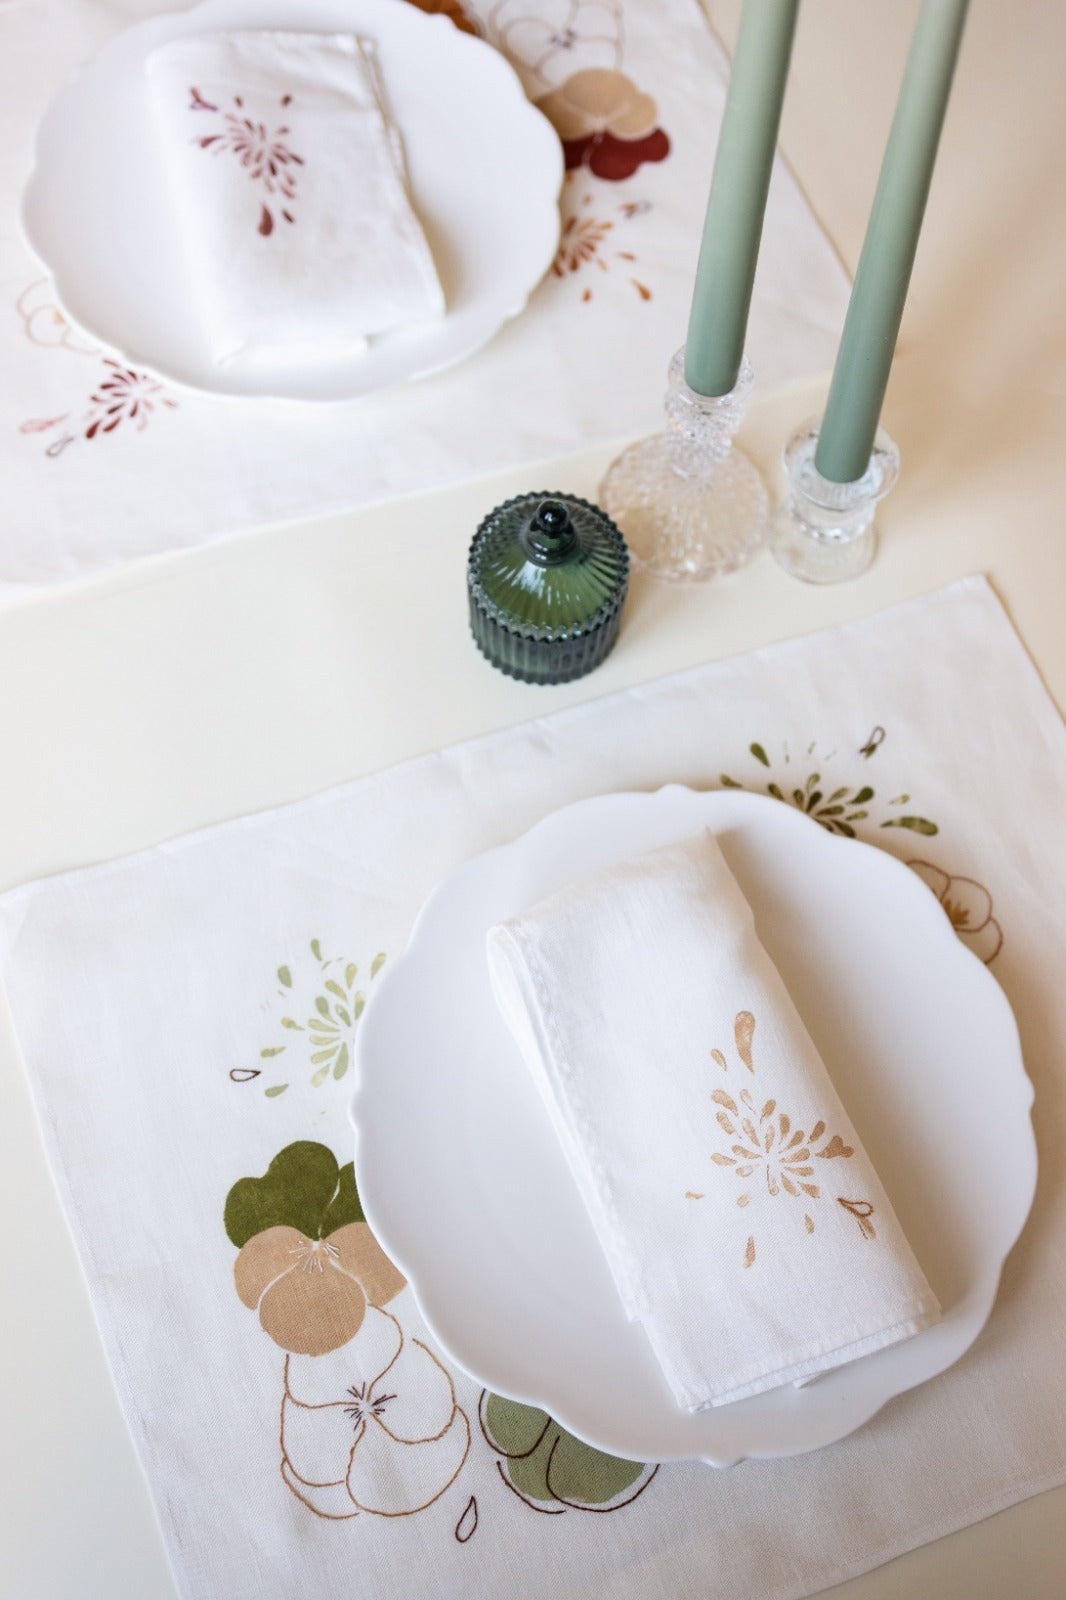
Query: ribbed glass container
[{"x": 547, "y": 577}]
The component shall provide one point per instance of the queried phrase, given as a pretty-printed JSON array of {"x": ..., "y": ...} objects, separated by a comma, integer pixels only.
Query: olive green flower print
[
  {"x": 321, "y": 998},
  {"x": 837, "y": 807},
  {"x": 551, "y": 1470}
]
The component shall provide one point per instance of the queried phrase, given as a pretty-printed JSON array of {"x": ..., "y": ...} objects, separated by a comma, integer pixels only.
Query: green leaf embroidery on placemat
[
  {"x": 551, "y": 1470},
  {"x": 302, "y": 1188},
  {"x": 323, "y": 1005},
  {"x": 837, "y": 809}
]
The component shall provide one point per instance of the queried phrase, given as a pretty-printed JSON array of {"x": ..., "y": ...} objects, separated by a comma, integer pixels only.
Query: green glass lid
[{"x": 548, "y": 567}]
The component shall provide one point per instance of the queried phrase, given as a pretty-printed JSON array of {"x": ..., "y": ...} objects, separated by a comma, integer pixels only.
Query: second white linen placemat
[{"x": 187, "y": 1017}]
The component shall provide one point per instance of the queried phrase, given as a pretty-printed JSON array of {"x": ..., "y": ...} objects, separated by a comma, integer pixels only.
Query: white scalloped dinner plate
[
  {"x": 485, "y": 170},
  {"x": 464, "y": 1185}
]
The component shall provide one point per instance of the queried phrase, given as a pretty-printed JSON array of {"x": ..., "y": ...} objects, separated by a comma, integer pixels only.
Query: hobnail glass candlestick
[
  {"x": 688, "y": 501},
  {"x": 824, "y": 532}
]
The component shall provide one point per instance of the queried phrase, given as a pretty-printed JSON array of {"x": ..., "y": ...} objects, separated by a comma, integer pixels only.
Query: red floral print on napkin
[{"x": 263, "y": 153}]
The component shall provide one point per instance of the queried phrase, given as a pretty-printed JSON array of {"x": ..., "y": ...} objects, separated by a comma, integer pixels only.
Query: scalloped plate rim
[{"x": 404, "y": 1245}]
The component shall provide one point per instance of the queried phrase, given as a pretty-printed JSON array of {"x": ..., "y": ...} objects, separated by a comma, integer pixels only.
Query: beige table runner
[{"x": 187, "y": 1018}]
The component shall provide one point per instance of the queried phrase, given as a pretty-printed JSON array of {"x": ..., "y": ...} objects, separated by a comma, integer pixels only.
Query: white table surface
[{"x": 189, "y": 689}]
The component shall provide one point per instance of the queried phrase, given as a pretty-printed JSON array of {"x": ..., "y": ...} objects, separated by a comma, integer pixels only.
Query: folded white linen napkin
[
  {"x": 743, "y": 1222},
  {"x": 290, "y": 191}
]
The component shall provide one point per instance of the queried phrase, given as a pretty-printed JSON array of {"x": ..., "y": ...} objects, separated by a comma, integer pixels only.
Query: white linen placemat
[
  {"x": 621, "y": 1083},
  {"x": 187, "y": 1017},
  {"x": 323, "y": 249},
  {"x": 74, "y": 422}
]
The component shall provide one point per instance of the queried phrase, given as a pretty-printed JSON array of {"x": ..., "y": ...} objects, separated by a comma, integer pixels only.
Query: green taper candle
[
  {"x": 860, "y": 376},
  {"x": 718, "y": 321}
]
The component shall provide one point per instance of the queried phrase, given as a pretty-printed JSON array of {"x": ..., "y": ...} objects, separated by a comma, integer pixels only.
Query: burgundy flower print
[
  {"x": 606, "y": 123},
  {"x": 122, "y": 395},
  {"x": 261, "y": 151}
]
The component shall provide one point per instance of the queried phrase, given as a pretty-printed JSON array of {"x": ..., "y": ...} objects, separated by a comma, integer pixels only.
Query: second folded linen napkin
[
  {"x": 289, "y": 186},
  {"x": 744, "y": 1225}
]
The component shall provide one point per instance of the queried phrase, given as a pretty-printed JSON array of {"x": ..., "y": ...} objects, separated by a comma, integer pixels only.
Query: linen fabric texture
[
  {"x": 736, "y": 1287},
  {"x": 324, "y": 249}
]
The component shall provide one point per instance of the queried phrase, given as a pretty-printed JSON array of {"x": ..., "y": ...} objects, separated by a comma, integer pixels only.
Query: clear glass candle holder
[
  {"x": 824, "y": 532},
  {"x": 690, "y": 504}
]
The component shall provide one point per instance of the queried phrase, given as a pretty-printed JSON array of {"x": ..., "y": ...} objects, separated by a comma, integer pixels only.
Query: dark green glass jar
[{"x": 547, "y": 578}]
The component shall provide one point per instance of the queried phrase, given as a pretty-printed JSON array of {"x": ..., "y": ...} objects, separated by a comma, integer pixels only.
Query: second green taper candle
[
  {"x": 875, "y": 310},
  {"x": 714, "y": 346}
]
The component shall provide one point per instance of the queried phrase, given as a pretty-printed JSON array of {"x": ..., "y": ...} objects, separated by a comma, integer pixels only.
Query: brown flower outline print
[
  {"x": 264, "y": 153},
  {"x": 967, "y": 905}
]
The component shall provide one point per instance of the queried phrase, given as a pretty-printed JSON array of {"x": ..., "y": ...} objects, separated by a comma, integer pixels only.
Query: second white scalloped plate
[{"x": 464, "y": 1185}]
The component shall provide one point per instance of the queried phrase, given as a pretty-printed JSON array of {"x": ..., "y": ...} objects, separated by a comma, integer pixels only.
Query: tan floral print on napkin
[{"x": 765, "y": 1142}]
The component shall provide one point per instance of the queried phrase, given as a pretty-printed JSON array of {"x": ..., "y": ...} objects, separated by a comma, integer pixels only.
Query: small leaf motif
[
  {"x": 836, "y": 1147},
  {"x": 467, "y": 1523},
  {"x": 920, "y": 825},
  {"x": 862, "y": 1211},
  {"x": 744, "y": 1032}
]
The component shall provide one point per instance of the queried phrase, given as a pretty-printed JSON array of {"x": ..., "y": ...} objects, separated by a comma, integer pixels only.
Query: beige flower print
[
  {"x": 765, "y": 1143},
  {"x": 312, "y": 1295},
  {"x": 599, "y": 101}
]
